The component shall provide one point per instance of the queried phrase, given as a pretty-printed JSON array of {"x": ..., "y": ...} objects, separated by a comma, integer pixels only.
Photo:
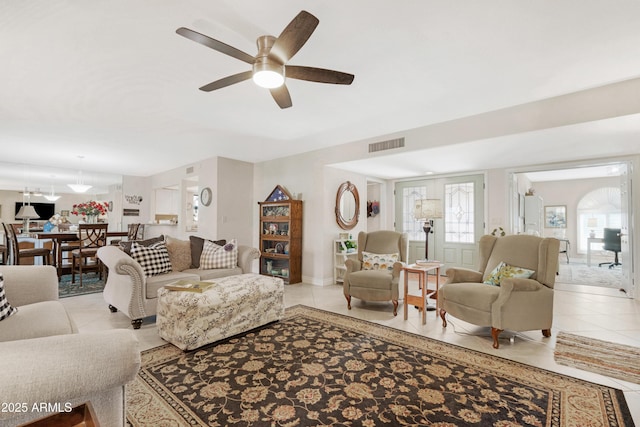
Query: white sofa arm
[
  {"x": 246, "y": 255},
  {"x": 115, "y": 258},
  {"x": 72, "y": 367},
  {"x": 28, "y": 284},
  {"x": 126, "y": 285}
]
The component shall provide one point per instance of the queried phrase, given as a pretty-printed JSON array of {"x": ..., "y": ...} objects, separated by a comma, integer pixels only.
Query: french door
[{"x": 455, "y": 235}]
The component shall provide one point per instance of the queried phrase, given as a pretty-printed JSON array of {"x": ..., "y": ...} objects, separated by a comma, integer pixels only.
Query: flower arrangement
[{"x": 90, "y": 208}]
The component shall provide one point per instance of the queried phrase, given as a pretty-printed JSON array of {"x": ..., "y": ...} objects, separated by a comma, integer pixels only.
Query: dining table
[{"x": 59, "y": 238}]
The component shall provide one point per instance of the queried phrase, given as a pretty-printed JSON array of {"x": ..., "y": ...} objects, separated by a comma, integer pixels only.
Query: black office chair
[{"x": 611, "y": 243}]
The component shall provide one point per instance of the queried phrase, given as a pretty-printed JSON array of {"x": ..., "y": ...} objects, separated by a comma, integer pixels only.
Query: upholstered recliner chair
[
  {"x": 374, "y": 276},
  {"x": 513, "y": 301}
]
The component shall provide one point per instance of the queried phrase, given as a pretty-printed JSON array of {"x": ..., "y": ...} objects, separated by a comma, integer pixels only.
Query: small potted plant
[{"x": 351, "y": 245}]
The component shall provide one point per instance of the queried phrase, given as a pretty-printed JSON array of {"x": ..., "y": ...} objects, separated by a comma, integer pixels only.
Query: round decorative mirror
[{"x": 347, "y": 206}]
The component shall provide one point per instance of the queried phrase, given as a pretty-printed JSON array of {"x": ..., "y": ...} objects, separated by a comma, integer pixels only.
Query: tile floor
[{"x": 585, "y": 310}]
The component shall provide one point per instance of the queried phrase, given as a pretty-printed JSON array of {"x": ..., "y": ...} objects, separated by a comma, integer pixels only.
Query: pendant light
[
  {"x": 52, "y": 197},
  {"x": 79, "y": 186}
]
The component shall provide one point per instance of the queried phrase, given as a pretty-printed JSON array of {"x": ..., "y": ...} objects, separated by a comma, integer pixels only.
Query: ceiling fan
[{"x": 269, "y": 66}]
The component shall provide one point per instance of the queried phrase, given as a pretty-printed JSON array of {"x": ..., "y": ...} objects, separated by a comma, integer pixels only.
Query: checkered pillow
[
  {"x": 153, "y": 259},
  {"x": 5, "y": 308},
  {"x": 215, "y": 256}
]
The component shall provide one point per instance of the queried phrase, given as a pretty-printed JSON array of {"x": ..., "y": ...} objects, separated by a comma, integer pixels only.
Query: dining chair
[
  {"x": 83, "y": 259},
  {"x": 17, "y": 254},
  {"x": 134, "y": 232},
  {"x": 4, "y": 251}
]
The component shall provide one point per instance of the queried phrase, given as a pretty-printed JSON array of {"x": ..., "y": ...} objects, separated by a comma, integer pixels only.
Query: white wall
[{"x": 235, "y": 202}]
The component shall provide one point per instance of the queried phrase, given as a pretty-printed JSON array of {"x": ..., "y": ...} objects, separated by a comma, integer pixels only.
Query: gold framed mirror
[{"x": 347, "y": 206}]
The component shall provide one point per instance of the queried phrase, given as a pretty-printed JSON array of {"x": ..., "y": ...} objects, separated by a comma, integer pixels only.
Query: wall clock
[{"x": 206, "y": 195}]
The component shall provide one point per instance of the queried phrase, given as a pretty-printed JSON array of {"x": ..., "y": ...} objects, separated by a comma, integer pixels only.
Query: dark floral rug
[
  {"x": 91, "y": 284},
  {"x": 316, "y": 368}
]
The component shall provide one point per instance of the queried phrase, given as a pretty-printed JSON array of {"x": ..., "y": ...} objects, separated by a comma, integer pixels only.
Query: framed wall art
[{"x": 555, "y": 216}]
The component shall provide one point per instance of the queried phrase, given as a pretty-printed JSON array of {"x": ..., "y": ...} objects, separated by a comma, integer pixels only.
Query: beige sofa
[
  {"x": 45, "y": 360},
  {"x": 130, "y": 291}
]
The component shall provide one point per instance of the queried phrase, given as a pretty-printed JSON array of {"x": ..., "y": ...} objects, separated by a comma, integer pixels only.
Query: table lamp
[
  {"x": 427, "y": 210},
  {"x": 26, "y": 213}
]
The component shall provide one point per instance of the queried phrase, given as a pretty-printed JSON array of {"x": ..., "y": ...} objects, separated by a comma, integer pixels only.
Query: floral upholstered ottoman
[{"x": 233, "y": 305}]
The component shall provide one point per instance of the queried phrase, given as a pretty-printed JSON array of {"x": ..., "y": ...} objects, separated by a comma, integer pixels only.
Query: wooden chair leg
[
  {"x": 546, "y": 333},
  {"x": 80, "y": 264},
  {"x": 443, "y": 315},
  {"x": 348, "y": 297},
  {"x": 395, "y": 307},
  {"x": 495, "y": 333}
]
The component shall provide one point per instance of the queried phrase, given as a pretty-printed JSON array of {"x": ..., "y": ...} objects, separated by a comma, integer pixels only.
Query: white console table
[{"x": 590, "y": 241}]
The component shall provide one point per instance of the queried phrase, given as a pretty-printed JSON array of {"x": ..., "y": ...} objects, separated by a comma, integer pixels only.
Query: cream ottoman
[{"x": 235, "y": 304}]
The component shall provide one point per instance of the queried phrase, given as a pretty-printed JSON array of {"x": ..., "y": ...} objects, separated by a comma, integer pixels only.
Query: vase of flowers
[{"x": 90, "y": 211}]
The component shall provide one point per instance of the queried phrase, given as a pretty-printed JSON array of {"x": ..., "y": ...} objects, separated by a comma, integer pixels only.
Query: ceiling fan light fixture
[{"x": 267, "y": 75}]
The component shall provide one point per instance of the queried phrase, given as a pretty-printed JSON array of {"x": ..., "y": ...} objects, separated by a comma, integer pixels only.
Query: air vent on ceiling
[
  {"x": 189, "y": 170},
  {"x": 386, "y": 145}
]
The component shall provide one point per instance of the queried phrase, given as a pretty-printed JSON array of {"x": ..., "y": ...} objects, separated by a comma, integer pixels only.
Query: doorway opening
[{"x": 575, "y": 205}]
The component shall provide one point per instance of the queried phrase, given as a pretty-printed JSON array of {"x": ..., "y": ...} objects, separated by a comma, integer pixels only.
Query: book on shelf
[{"x": 190, "y": 286}]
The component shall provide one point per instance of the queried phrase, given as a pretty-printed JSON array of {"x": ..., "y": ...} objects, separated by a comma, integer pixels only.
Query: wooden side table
[{"x": 422, "y": 271}]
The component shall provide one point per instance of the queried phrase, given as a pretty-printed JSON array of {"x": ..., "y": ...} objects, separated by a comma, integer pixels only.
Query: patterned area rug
[
  {"x": 91, "y": 284},
  {"x": 603, "y": 357},
  {"x": 581, "y": 274},
  {"x": 319, "y": 368}
]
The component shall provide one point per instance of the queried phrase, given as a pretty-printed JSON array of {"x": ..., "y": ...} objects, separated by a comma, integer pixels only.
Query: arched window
[{"x": 597, "y": 210}]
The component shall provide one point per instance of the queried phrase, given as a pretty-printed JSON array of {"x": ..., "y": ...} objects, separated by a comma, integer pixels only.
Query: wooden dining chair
[
  {"x": 91, "y": 238},
  {"x": 4, "y": 252},
  {"x": 134, "y": 232},
  {"x": 18, "y": 255}
]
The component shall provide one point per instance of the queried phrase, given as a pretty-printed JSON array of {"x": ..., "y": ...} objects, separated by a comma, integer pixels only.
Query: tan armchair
[
  {"x": 376, "y": 284},
  {"x": 517, "y": 304}
]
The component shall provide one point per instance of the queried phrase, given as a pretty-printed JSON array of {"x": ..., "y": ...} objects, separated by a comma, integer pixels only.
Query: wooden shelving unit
[{"x": 281, "y": 236}]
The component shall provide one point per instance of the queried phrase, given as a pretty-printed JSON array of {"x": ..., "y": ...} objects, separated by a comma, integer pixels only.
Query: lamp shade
[
  {"x": 592, "y": 222},
  {"x": 428, "y": 209},
  {"x": 27, "y": 212}
]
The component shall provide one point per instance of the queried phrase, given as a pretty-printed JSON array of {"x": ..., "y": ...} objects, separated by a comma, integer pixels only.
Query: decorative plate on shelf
[{"x": 280, "y": 248}]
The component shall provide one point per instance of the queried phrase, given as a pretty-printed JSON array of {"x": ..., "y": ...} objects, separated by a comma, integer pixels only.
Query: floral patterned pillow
[
  {"x": 505, "y": 271},
  {"x": 371, "y": 261}
]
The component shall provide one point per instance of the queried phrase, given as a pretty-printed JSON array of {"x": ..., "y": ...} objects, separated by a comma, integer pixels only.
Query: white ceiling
[{"x": 113, "y": 82}]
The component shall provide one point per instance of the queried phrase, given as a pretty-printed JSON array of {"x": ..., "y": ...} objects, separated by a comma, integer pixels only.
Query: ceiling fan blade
[
  {"x": 293, "y": 37},
  {"x": 216, "y": 45},
  {"x": 319, "y": 75},
  {"x": 281, "y": 96},
  {"x": 227, "y": 81}
]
